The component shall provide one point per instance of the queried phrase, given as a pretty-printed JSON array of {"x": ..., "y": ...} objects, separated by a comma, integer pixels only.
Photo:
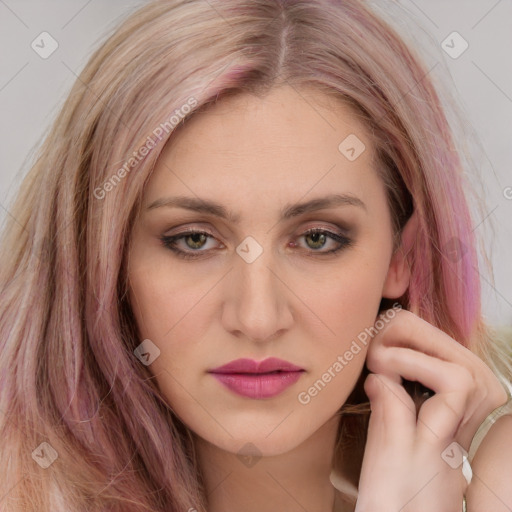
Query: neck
[{"x": 294, "y": 481}]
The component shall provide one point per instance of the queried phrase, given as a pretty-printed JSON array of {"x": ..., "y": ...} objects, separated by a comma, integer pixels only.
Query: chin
[{"x": 258, "y": 443}]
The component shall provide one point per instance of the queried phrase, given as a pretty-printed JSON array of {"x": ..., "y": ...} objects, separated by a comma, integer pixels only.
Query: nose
[{"x": 257, "y": 306}]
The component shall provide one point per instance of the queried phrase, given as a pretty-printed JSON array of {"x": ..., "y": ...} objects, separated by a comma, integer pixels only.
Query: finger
[
  {"x": 461, "y": 402},
  {"x": 454, "y": 386},
  {"x": 389, "y": 439},
  {"x": 436, "y": 374},
  {"x": 408, "y": 330},
  {"x": 392, "y": 409}
]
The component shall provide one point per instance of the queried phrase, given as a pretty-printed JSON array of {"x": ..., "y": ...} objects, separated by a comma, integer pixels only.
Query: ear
[{"x": 399, "y": 272}]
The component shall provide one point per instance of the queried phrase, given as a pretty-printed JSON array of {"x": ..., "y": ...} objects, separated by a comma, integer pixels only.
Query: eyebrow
[{"x": 289, "y": 211}]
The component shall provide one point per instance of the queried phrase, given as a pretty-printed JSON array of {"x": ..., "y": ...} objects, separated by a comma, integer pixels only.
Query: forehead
[
  {"x": 299, "y": 119},
  {"x": 283, "y": 144}
]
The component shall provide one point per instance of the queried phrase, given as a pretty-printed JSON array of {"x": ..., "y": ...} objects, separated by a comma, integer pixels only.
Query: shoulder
[{"x": 491, "y": 488}]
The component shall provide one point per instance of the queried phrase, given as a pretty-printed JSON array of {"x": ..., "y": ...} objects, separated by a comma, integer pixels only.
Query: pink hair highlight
[{"x": 69, "y": 376}]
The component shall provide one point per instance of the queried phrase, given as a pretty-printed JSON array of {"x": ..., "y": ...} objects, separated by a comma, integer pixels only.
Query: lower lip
[{"x": 258, "y": 386}]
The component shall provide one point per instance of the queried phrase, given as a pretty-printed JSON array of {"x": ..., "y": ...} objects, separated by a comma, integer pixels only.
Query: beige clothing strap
[{"x": 486, "y": 425}]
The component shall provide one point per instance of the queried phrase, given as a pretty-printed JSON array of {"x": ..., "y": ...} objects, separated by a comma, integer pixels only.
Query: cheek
[
  {"x": 350, "y": 301},
  {"x": 162, "y": 299},
  {"x": 348, "y": 307},
  {"x": 169, "y": 310}
]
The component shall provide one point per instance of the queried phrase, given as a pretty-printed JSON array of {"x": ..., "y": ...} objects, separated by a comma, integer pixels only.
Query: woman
[{"x": 246, "y": 229}]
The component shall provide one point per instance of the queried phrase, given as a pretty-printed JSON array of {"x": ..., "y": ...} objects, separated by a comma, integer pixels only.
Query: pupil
[
  {"x": 316, "y": 237},
  {"x": 197, "y": 238}
]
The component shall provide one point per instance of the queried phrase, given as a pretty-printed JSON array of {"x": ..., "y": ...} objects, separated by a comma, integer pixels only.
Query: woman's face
[{"x": 257, "y": 285}]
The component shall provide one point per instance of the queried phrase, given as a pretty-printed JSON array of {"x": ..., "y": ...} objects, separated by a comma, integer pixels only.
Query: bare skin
[{"x": 256, "y": 156}]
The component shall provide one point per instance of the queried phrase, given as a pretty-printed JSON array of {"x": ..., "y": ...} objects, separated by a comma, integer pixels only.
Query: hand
[{"x": 402, "y": 466}]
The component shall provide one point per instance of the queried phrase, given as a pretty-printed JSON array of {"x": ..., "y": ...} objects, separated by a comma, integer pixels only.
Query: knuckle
[
  {"x": 375, "y": 358},
  {"x": 498, "y": 396},
  {"x": 465, "y": 379}
]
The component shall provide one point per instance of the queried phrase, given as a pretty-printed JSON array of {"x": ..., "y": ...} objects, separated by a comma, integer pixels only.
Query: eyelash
[{"x": 170, "y": 242}]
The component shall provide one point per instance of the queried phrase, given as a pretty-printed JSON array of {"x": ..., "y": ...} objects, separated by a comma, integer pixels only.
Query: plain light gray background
[{"x": 32, "y": 89}]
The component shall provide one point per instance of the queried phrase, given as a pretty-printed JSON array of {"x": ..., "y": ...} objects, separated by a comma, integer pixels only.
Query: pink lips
[{"x": 258, "y": 380}]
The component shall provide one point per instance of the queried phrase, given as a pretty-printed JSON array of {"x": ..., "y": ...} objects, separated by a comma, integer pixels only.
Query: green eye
[
  {"x": 319, "y": 239},
  {"x": 198, "y": 240},
  {"x": 195, "y": 241}
]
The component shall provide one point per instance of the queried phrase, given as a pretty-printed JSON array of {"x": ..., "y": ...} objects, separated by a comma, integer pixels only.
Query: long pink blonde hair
[{"x": 68, "y": 372}]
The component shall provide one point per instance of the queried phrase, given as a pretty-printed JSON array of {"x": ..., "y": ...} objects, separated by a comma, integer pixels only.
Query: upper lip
[{"x": 271, "y": 364}]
